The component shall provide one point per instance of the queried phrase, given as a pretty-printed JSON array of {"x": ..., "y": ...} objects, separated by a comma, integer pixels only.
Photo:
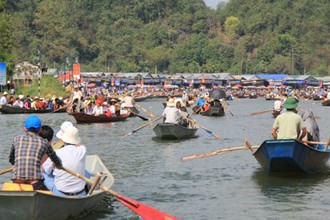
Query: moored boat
[
  {"x": 291, "y": 156},
  {"x": 38, "y": 205},
  {"x": 86, "y": 118},
  {"x": 173, "y": 131},
  {"x": 7, "y": 109}
]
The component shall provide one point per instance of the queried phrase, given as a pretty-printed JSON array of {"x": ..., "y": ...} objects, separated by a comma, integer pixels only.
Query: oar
[
  {"x": 143, "y": 210},
  {"x": 259, "y": 113},
  {"x": 143, "y": 118},
  {"x": 145, "y": 110},
  {"x": 142, "y": 126},
  {"x": 198, "y": 110},
  {"x": 207, "y": 130},
  {"x": 327, "y": 145},
  {"x": 213, "y": 153},
  {"x": 6, "y": 170},
  {"x": 226, "y": 109}
]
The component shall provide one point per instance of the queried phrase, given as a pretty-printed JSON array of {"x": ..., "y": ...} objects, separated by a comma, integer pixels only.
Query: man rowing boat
[
  {"x": 27, "y": 152},
  {"x": 289, "y": 124}
]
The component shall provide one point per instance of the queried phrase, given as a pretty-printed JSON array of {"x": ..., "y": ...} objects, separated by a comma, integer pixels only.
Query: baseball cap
[{"x": 32, "y": 122}]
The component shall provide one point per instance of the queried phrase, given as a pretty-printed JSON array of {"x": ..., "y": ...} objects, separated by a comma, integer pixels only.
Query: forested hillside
[{"x": 169, "y": 36}]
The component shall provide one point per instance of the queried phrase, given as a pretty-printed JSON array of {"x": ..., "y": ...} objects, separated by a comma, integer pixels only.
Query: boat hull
[
  {"x": 326, "y": 102},
  {"x": 36, "y": 205},
  {"x": 173, "y": 131},
  {"x": 5, "y": 109},
  {"x": 85, "y": 118},
  {"x": 291, "y": 156}
]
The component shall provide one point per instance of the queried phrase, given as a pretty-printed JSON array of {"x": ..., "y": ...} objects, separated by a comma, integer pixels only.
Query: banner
[
  {"x": 3, "y": 73},
  {"x": 76, "y": 72},
  {"x": 67, "y": 76}
]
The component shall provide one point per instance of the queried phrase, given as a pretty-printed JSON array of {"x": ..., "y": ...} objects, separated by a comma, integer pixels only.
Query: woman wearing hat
[
  {"x": 19, "y": 102},
  {"x": 73, "y": 156},
  {"x": 289, "y": 124},
  {"x": 3, "y": 99},
  {"x": 35, "y": 103},
  {"x": 171, "y": 114}
]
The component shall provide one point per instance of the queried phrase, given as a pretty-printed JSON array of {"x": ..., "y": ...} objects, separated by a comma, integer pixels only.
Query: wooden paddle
[
  {"x": 197, "y": 111},
  {"x": 143, "y": 210},
  {"x": 6, "y": 170},
  {"x": 143, "y": 118},
  {"x": 201, "y": 126},
  {"x": 145, "y": 110},
  {"x": 213, "y": 153},
  {"x": 259, "y": 113},
  {"x": 226, "y": 109},
  {"x": 327, "y": 145},
  {"x": 142, "y": 126}
]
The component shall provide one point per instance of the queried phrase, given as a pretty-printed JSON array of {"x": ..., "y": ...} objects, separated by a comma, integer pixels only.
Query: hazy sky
[{"x": 213, "y": 3}]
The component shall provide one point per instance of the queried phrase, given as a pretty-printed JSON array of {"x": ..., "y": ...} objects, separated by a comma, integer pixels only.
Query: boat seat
[{"x": 16, "y": 187}]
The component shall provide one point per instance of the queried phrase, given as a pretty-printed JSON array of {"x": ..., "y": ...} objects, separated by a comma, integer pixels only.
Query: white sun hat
[
  {"x": 65, "y": 125},
  {"x": 71, "y": 136}
]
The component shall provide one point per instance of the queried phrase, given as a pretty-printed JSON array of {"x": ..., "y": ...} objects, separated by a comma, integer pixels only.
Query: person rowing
[
  {"x": 289, "y": 124},
  {"x": 27, "y": 152},
  {"x": 171, "y": 113},
  {"x": 73, "y": 156}
]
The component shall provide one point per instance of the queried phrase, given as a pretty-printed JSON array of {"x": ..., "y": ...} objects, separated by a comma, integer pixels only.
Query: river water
[{"x": 228, "y": 186}]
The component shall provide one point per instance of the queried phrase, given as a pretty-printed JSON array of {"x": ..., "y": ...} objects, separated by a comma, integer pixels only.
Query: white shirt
[
  {"x": 18, "y": 103},
  {"x": 73, "y": 158},
  {"x": 171, "y": 115},
  {"x": 328, "y": 95},
  {"x": 97, "y": 110},
  {"x": 277, "y": 105},
  {"x": 3, "y": 100},
  {"x": 112, "y": 109}
]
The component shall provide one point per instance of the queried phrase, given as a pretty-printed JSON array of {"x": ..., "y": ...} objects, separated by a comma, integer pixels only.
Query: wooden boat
[
  {"x": 253, "y": 96},
  {"x": 326, "y": 102},
  {"x": 7, "y": 109},
  {"x": 38, "y": 205},
  {"x": 141, "y": 98},
  {"x": 85, "y": 118},
  {"x": 291, "y": 156},
  {"x": 173, "y": 131},
  {"x": 215, "y": 110}
]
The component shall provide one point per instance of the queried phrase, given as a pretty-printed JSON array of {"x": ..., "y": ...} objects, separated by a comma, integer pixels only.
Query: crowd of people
[{"x": 35, "y": 103}]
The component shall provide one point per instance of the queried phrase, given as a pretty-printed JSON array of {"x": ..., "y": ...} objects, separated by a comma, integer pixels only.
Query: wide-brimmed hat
[
  {"x": 71, "y": 136},
  {"x": 21, "y": 96},
  {"x": 170, "y": 103},
  {"x": 36, "y": 98},
  {"x": 113, "y": 100},
  {"x": 32, "y": 122},
  {"x": 290, "y": 103},
  {"x": 5, "y": 93},
  {"x": 65, "y": 125}
]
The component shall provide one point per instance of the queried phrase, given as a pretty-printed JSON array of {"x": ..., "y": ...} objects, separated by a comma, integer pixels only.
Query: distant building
[{"x": 25, "y": 72}]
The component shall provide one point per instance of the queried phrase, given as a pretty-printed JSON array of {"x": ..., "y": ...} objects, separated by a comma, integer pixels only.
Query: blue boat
[{"x": 291, "y": 156}]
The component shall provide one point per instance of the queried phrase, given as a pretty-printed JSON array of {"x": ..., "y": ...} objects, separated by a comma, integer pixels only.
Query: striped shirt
[{"x": 26, "y": 154}]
